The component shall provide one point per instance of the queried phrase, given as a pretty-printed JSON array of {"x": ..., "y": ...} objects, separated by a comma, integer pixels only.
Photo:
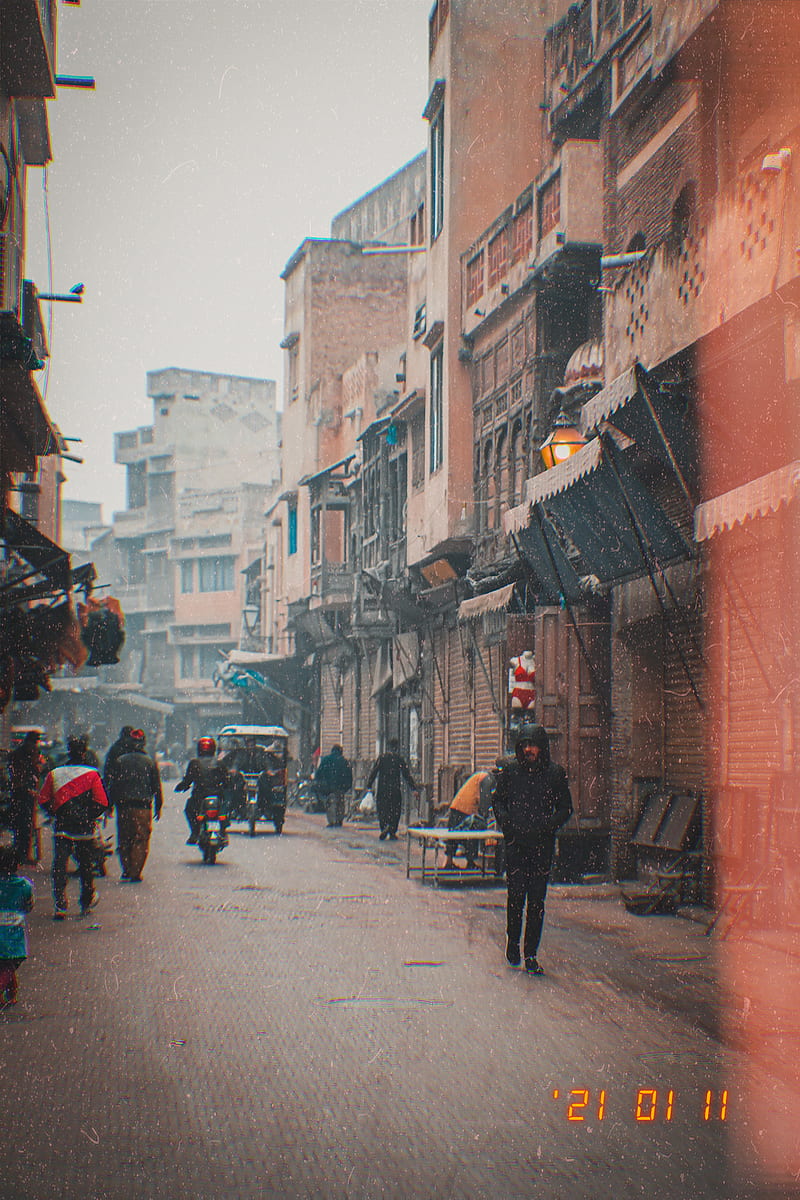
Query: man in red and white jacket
[{"x": 74, "y": 797}]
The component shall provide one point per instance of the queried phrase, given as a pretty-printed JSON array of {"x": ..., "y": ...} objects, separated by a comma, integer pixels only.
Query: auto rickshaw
[{"x": 256, "y": 759}]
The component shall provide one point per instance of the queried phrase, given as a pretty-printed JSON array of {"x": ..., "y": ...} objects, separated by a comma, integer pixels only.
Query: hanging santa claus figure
[{"x": 522, "y": 682}]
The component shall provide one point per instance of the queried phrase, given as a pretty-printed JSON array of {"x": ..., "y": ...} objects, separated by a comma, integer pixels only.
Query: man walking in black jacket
[
  {"x": 531, "y": 802},
  {"x": 390, "y": 769},
  {"x": 135, "y": 785}
]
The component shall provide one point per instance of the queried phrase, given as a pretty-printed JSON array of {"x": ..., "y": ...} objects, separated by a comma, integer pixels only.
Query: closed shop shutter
[
  {"x": 329, "y": 706},
  {"x": 437, "y": 686},
  {"x": 460, "y": 732},
  {"x": 349, "y": 707},
  {"x": 684, "y": 728},
  {"x": 750, "y": 646},
  {"x": 367, "y": 741},
  {"x": 488, "y": 725}
]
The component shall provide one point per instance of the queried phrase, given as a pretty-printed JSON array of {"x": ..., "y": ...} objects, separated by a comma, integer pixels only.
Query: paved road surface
[{"x": 301, "y": 1021}]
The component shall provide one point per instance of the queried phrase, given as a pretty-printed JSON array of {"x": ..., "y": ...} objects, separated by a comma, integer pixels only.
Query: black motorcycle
[{"x": 213, "y": 834}]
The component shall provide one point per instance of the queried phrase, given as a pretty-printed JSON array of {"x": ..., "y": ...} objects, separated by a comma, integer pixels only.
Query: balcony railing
[
  {"x": 563, "y": 209},
  {"x": 331, "y": 584}
]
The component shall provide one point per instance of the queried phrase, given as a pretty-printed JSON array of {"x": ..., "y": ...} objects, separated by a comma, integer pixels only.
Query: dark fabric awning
[
  {"x": 25, "y": 429},
  {"x": 591, "y": 516},
  {"x": 44, "y": 556},
  {"x": 658, "y": 422}
]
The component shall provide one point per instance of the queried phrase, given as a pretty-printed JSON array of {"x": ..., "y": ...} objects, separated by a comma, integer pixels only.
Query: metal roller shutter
[
  {"x": 749, "y": 634},
  {"x": 684, "y": 728},
  {"x": 329, "y": 706},
  {"x": 436, "y": 681},
  {"x": 488, "y": 725},
  {"x": 349, "y": 706},
  {"x": 460, "y": 731},
  {"x": 367, "y": 726}
]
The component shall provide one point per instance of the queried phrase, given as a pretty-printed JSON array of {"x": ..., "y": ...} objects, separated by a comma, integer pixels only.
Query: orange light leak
[{"x": 747, "y": 378}]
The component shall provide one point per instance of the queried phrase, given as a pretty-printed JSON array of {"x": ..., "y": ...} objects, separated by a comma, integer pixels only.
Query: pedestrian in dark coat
[
  {"x": 135, "y": 786},
  {"x": 390, "y": 770},
  {"x": 25, "y": 764},
  {"x": 334, "y": 777},
  {"x": 531, "y": 802},
  {"x": 121, "y": 746}
]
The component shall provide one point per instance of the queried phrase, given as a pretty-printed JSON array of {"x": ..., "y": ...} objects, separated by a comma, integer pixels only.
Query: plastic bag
[{"x": 366, "y": 804}]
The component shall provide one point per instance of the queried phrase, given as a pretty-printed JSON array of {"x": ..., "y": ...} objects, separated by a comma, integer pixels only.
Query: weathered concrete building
[{"x": 198, "y": 479}]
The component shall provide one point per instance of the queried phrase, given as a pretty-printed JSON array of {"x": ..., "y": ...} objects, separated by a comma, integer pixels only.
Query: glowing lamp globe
[{"x": 563, "y": 441}]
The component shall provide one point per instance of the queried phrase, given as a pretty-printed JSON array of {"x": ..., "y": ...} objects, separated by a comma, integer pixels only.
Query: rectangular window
[
  {"x": 417, "y": 235},
  {"x": 487, "y": 373},
  {"x": 609, "y": 13},
  {"x": 187, "y": 575},
  {"x": 437, "y": 173},
  {"x": 209, "y": 659},
  {"x": 475, "y": 279},
  {"x": 550, "y": 205},
  {"x": 292, "y": 529},
  {"x": 523, "y": 233},
  {"x": 503, "y": 361},
  {"x": 215, "y": 574},
  {"x": 420, "y": 321},
  {"x": 293, "y": 365},
  {"x": 436, "y": 23},
  {"x": 418, "y": 451},
  {"x": 137, "y": 484},
  {"x": 437, "y": 410},
  {"x": 186, "y": 662},
  {"x": 632, "y": 64},
  {"x": 498, "y": 257},
  {"x": 517, "y": 348}
]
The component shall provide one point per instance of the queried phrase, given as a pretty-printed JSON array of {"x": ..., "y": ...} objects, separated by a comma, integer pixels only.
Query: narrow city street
[{"x": 300, "y": 1020}]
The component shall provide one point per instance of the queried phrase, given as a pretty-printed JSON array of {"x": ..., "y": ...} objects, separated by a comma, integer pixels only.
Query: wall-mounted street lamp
[
  {"x": 251, "y": 613},
  {"x": 563, "y": 441}
]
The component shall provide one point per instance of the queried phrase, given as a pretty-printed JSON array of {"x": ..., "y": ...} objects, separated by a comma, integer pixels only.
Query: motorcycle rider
[{"x": 206, "y": 776}]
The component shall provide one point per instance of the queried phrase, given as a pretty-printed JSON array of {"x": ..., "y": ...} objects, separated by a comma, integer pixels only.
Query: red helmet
[{"x": 206, "y": 746}]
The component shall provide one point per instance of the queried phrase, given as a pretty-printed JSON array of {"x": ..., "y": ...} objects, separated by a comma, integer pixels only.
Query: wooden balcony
[{"x": 331, "y": 585}]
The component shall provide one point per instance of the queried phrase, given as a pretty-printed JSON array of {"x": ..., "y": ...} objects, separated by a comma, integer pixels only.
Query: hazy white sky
[{"x": 220, "y": 134}]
